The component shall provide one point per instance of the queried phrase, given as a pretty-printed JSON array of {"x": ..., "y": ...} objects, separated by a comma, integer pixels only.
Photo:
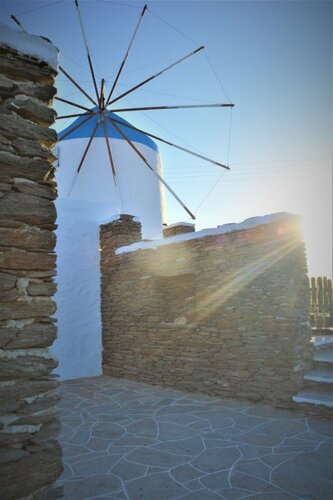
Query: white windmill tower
[
  {"x": 111, "y": 178},
  {"x": 90, "y": 193}
]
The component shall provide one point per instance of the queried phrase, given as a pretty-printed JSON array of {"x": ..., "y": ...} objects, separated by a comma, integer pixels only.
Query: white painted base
[
  {"x": 78, "y": 346},
  {"x": 85, "y": 202}
]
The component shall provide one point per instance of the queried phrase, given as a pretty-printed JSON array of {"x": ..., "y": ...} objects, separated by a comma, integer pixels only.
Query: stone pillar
[
  {"x": 123, "y": 230},
  {"x": 30, "y": 454},
  {"x": 178, "y": 228}
]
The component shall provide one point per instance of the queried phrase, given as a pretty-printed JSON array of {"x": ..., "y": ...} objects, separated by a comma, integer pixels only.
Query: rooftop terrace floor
[{"x": 127, "y": 440}]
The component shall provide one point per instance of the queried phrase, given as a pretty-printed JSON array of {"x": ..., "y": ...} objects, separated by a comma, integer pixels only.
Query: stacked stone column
[
  {"x": 30, "y": 456},
  {"x": 122, "y": 231}
]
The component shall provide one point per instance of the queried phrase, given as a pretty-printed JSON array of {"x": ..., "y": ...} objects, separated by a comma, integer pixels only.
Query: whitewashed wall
[{"x": 82, "y": 207}]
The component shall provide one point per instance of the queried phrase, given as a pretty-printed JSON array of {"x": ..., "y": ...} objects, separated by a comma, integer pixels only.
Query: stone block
[
  {"x": 43, "y": 190},
  {"x": 31, "y": 149},
  {"x": 28, "y": 238},
  {"x": 33, "y": 334},
  {"x": 13, "y": 126},
  {"x": 20, "y": 259},
  {"x": 23, "y": 363},
  {"x": 28, "y": 207},
  {"x": 34, "y": 471},
  {"x": 36, "y": 307},
  {"x": 17, "y": 67},
  {"x": 31, "y": 109},
  {"x": 12, "y": 165}
]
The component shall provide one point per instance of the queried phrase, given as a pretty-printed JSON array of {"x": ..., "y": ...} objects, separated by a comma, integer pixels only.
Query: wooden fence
[{"x": 321, "y": 302}]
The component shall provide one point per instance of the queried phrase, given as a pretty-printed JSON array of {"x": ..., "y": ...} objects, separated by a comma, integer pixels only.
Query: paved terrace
[{"x": 126, "y": 440}]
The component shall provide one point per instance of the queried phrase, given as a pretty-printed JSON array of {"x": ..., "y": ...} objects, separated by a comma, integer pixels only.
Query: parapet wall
[
  {"x": 225, "y": 313},
  {"x": 30, "y": 454}
]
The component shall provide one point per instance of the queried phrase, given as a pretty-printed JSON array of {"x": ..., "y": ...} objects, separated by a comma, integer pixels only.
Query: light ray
[{"x": 241, "y": 279}]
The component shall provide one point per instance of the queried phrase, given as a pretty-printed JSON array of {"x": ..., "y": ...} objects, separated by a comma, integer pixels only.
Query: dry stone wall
[
  {"x": 30, "y": 456},
  {"x": 225, "y": 314}
]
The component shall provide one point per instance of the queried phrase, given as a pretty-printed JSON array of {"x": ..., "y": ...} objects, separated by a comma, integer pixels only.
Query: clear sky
[{"x": 272, "y": 59}]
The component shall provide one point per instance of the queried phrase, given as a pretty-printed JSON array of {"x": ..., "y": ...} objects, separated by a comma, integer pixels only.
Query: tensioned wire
[{"x": 40, "y": 7}]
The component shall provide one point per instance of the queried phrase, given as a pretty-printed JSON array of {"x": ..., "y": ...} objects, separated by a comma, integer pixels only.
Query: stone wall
[
  {"x": 30, "y": 457},
  {"x": 225, "y": 314}
]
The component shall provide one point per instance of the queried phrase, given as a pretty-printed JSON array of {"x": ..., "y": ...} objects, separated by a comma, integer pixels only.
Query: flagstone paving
[{"x": 124, "y": 440}]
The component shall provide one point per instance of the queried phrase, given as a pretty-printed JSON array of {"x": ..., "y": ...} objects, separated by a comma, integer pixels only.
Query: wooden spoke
[
  {"x": 62, "y": 117},
  {"x": 171, "y": 144},
  {"x": 19, "y": 23},
  {"x": 101, "y": 96},
  {"x": 60, "y": 67},
  {"x": 108, "y": 146},
  {"x": 186, "y": 106},
  {"x": 87, "y": 148},
  {"x": 138, "y": 152},
  {"x": 77, "y": 85},
  {"x": 86, "y": 47},
  {"x": 73, "y": 104},
  {"x": 126, "y": 55},
  {"x": 156, "y": 75},
  {"x": 76, "y": 126}
]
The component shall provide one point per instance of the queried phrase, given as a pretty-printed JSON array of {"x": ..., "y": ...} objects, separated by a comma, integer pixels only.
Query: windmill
[
  {"x": 106, "y": 166},
  {"x": 102, "y": 115}
]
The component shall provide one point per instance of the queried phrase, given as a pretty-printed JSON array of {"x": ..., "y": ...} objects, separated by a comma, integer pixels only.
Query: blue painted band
[{"x": 87, "y": 128}]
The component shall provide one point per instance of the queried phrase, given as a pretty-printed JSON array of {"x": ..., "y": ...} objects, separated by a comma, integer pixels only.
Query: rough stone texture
[
  {"x": 225, "y": 314},
  {"x": 166, "y": 444},
  {"x": 30, "y": 456},
  {"x": 179, "y": 228}
]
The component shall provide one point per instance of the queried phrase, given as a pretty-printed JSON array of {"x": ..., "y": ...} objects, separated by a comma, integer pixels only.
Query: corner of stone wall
[
  {"x": 30, "y": 453},
  {"x": 122, "y": 230}
]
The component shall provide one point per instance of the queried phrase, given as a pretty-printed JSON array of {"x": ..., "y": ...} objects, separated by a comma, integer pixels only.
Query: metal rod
[
  {"x": 60, "y": 67},
  {"x": 87, "y": 148},
  {"x": 138, "y": 152},
  {"x": 62, "y": 117},
  {"x": 77, "y": 85},
  {"x": 172, "y": 144},
  {"x": 101, "y": 96},
  {"x": 156, "y": 75},
  {"x": 86, "y": 46},
  {"x": 18, "y": 23},
  {"x": 186, "y": 106},
  {"x": 126, "y": 55},
  {"x": 73, "y": 104},
  {"x": 76, "y": 126},
  {"x": 109, "y": 152},
  {"x": 108, "y": 145}
]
